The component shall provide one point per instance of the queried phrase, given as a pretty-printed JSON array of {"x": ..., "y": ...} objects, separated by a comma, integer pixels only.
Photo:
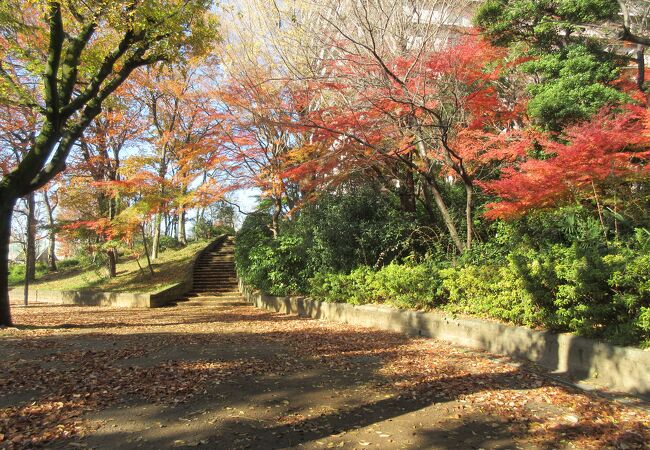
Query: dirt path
[{"x": 228, "y": 376}]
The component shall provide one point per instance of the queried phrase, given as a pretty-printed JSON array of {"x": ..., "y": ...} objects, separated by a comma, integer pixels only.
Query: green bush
[
  {"x": 354, "y": 288},
  {"x": 400, "y": 285},
  {"x": 169, "y": 243},
  {"x": 346, "y": 230},
  {"x": 205, "y": 230},
  {"x": 68, "y": 263},
  {"x": 407, "y": 286},
  {"x": 553, "y": 270},
  {"x": 337, "y": 234},
  {"x": 274, "y": 265},
  {"x": 17, "y": 273},
  {"x": 589, "y": 290},
  {"x": 491, "y": 291},
  {"x": 252, "y": 241},
  {"x": 630, "y": 283}
]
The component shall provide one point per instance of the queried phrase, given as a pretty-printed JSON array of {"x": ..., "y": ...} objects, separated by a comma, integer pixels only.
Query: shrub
[
  {"x": 169, "y": 243},
  {"x": 17, "y": 273},
  {"x": 346, "y": 230},
  {"x": 205, "y": 230},
  {"x": 354, "y": 288},
  {"x": 276, "y": 266},
  {"x": 402, "y": 285},
  {"x": 492, "y": 291},
  {"x": 68, "y": 263},
  {"x": 554, "y": 270},
  {"x": 336, "y": 235},
  {"x": 630, "y": 284},
  {"x": 407, "y": 286}
]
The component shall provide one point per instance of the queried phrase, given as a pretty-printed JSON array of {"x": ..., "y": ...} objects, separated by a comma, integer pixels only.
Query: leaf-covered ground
[{"x": 226, "y": 375}]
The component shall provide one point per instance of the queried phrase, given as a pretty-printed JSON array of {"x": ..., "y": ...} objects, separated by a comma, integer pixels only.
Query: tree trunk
[
  {"x": 275, "y": 219},
  {"x": 446, "y": 217},
  {"x": 111, "y": 263},
  {"x": 469, "y": 206},
  {"x": 112, "y": 255},
  {"x": 146, "y": 250},
  {"x": 428, "y": 202},
  {"x": 407, "y": 191},
  {"x": 51, "y": 251},
  {"x": 640, "y": 61},
  {"x": 6, "y": 210},
  {"x": 440, "y": 203},
  {"x": 26, "y": 284},
  {"x": 51, "y": 247},
  {"x": 155, "y": 244},
  {"x": 30, "y": 252},
  {"x": 182, "y": 235}
]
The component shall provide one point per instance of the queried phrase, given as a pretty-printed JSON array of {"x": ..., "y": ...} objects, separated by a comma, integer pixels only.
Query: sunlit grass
[{"x": 169, "y": 268}]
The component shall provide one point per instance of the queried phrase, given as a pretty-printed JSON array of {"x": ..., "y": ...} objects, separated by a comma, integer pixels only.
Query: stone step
[
  {"x": 195, "y": 292},
  {"x": 215, "y": 282},
  {"x": 211, "y": 293},
  {"x": 215, "y": 265},
  {"x": 215, "y": 277},
  {"x": 229, "y": 282},
  {"x": 219, "y": 278},
  {"x": 220, "y": 274},
  {"x": 193, "y": 296},
  {"x": 215, "y": 269},
  {"x": 216, "y": 273},
  {"x": 213, "y": 287},
  {"x": 205, "y": 303},
  {"x": 225, "y": 296}
]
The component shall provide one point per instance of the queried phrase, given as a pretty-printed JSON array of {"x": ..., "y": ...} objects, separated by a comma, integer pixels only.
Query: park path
[{"x": 224, "y": 375}]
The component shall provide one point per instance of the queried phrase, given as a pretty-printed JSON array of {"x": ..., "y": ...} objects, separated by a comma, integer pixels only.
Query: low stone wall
[
  {"x": 118, "y": 299},
  {"x": 623, "y": 369},
  {"x": 85, "y": 298}
]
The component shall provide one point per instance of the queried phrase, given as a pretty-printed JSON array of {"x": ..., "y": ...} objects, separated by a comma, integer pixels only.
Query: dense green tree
[
  {"x": 579, "y": 49},
  {"x": 574, "y": 83},
  {"x": 545, "y": 24}
]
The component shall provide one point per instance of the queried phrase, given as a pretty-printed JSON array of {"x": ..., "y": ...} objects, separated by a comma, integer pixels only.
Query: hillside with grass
[{"x": 133, "y": 275}]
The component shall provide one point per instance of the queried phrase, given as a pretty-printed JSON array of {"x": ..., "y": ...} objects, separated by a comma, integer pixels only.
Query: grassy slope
[{"x": 169, "y": 268}]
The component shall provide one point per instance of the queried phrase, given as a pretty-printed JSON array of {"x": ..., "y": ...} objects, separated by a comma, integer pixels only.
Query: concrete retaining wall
[
  {"x": 85, "y": 298},
  {"x": 623, "y": 369},
  {"x": 118, "y": 299}
]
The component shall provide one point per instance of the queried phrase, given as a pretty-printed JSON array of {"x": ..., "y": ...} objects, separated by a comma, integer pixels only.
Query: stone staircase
[{"x": 215, "y": 278}]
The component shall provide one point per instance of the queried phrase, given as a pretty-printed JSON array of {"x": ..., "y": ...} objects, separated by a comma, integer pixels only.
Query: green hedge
[
  {"x": 554, "y": 271},
  {"x": 594, "y": 292}
]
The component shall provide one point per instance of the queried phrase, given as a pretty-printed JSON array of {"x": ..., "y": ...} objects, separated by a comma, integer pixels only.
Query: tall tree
[
  {"x": 183, "y": 134},
  {"x": 80, "y": 53},
  {"x": 421, "y": 111},
  {"x": 603, "y": 29},
  {"x": 97, "y": 161}
]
